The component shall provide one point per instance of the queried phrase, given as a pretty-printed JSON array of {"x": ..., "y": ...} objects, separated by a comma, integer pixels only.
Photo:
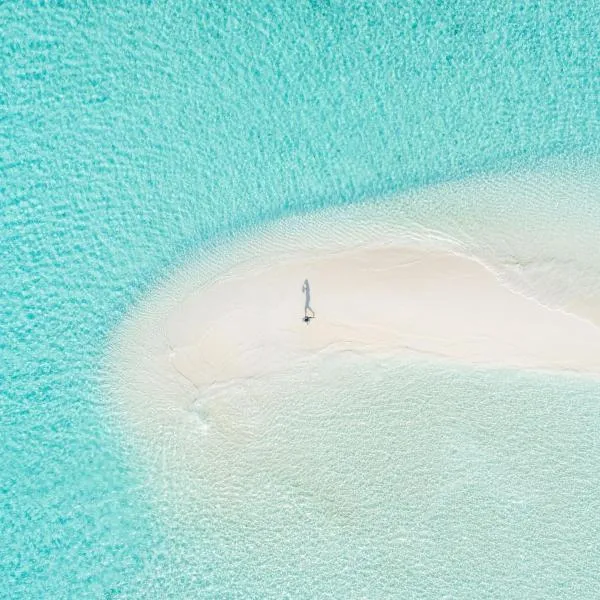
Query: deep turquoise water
[{"x": 133, "y": 135}]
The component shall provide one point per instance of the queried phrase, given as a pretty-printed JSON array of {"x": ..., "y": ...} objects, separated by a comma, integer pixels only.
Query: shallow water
[
  {"x": 134, "y": 137},
  {"x": 429, "y": 480}
]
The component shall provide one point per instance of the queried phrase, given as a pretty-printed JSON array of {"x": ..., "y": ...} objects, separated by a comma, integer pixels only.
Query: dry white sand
[{"x": 373, "y": 299}]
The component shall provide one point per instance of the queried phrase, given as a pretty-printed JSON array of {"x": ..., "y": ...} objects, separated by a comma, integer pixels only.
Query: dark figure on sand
[{"x": 309, "y": 313}]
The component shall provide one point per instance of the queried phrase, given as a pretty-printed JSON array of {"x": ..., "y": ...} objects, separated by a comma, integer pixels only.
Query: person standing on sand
[{"x": 307, "y": 308}]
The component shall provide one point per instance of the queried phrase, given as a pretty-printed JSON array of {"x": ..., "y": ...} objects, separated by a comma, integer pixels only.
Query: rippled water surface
[{"x": 135, "y": 135}]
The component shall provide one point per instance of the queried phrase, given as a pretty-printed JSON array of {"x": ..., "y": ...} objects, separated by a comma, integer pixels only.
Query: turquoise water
[{"x": 133, "y": 135}]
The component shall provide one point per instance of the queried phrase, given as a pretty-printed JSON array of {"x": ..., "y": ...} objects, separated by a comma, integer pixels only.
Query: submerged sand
[{"x": 365, "y": 435}]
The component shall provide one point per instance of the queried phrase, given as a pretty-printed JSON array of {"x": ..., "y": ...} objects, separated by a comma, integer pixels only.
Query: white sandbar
[{"x": 373, "y": 299}]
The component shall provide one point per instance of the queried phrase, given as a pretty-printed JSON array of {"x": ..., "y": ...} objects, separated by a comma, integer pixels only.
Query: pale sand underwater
[{"x": 287, "y": 437}]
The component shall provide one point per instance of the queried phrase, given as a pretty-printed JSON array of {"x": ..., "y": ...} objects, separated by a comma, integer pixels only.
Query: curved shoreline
[{"x": 380, "y": 286}]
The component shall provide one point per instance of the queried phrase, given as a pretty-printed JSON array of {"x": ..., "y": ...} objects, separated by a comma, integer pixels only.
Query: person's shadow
[{"x": 309, "y": 313}]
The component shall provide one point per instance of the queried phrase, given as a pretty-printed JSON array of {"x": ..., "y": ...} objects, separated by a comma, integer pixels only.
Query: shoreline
[
  {"x": 203, "y": 335},
  {"x": 381, "y": 285}
]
